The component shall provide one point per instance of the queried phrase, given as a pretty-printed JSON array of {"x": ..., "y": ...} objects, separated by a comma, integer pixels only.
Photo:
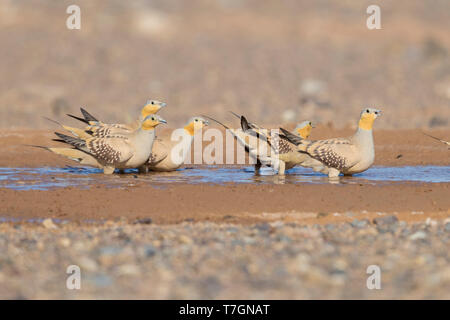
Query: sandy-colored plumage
[
  {"x": 292, "y": 157},
  {"x": 170, "y": 151},
  {"x": 286, "y": 152},
  {"x": 263, "y": 146},
  {"x": 119, "y": 151},
  {"x": 344, "y": 155},
  {"x": 96, "y": 128}
]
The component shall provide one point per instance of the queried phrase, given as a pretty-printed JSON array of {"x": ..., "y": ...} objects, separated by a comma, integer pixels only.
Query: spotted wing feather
[
  {"x": 110, "y": 150},
  {"x": 335, "y": 153}
]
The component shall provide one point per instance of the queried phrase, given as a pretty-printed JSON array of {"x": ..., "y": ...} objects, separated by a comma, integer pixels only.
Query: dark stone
[
  {"x": 143, "y": 221},
  {"x": 385, "y": 220}
]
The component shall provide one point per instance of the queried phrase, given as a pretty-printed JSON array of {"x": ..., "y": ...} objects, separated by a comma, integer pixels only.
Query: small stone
[
  {"x": 149, "y": 251},
  {"x": 100, "y": 280},
  {"x": 322, "y": 214},
  {"x": 360, "y": 223},
  {"x": 87, "y": 264},
  {"x": 110, "y": 250},
  {"x": 48, "y": 224},
  {"x": 65, "y": 242},
  {"x": 447, "y": 227},
  {"x": 263, "y": 227},
  {"x": 385, "y": 220},
  {"x": 128, "y": 270},
  {"x": 386, "y": 224},
  {"x": 143, "y": 221},
  {"x": 185, "y": 239},
  {"x": 419, "y": 235}
]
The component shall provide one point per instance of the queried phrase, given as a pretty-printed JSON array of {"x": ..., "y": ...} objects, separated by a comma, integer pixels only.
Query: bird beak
[
  {"x": 206, "y": 122},
  {"x": 162, "y": 121},
  {"x": 163, "y": 104},
  {"x": 313, "y": 125}
]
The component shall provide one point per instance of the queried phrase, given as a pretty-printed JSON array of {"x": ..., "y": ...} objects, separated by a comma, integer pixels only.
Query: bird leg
[
  {"x": 143, "y": 169},
  {"x": 108, "y": 170},
  {"x": 281, "y": 168}
]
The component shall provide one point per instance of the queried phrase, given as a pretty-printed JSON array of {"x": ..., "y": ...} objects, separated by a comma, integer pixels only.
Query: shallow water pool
[{"x": 45, "y": 178}]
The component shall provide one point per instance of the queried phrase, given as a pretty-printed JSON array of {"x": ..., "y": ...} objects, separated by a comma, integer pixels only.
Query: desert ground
[
  {"x": 176, "y": 236},
  {"x": 181, "y": 240}
]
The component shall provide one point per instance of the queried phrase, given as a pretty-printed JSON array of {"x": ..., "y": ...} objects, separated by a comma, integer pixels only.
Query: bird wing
[
  {"x": 108, "y": 130},
  {"x": 292, "y": 138},
  {"x": 337, "y": 153},
  {"x": 281, "y": 145},
  {"x": 87, "y": 116},
  {"x": 110, "y": 150}
]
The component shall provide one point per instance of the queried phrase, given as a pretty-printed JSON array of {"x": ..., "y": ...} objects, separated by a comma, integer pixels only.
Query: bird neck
[
  {"x": 188, "y": 134},
  {"x": 184, "y": 145},
  {"x": 363, "y": 137},
  {"x": 143, "y": 134}
]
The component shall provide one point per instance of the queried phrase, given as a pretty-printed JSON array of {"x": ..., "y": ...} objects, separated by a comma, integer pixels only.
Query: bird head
[
  {"x": 151, "y": 121},
  {"x": 194, "y": 124},
  {"x": 152, "y": 107},
  {"x": 368, "y": 116}
]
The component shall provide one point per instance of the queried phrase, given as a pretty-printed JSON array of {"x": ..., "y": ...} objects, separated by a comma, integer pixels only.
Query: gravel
[{"x": 225, "y": 261}]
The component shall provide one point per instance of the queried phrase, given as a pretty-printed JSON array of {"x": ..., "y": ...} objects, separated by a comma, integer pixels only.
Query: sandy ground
[{"x": 227, "y": 261}]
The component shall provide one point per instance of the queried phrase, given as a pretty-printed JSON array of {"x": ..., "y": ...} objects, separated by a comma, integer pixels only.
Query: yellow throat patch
[
  {"x": 149, "y": 109},
  {"x": 149, "y": 125},
  {"x": 305, "y": 131},
  {"x": 366, "y": 121},
  {"x": 190, "y": 128}
]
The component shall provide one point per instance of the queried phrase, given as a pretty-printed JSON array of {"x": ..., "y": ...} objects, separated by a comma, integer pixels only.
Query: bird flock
[{"x": 116, "y": 147}]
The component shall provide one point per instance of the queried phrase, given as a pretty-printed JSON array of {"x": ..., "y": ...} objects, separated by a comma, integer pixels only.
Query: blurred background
[{"x": 275, "y": 61}]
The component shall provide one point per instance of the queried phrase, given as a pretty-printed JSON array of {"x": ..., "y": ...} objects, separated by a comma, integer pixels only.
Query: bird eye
[
  {"x": 367, "y": 111},
  {"x": 196, "y": 120},
  {"x": 153, "y": 102}
]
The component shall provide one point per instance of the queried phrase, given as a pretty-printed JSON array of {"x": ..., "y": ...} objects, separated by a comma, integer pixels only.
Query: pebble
[
  {"x": 65, "y": 242},
  {"x": 360, "y": 223},
  {"x": 419, "y": 235},
  {"x": 87, "y": 264},
  {"x": 290, "y": 260},
  {"x": 447, "y": 227},
  {"x": 263, "y": 227},
  {"x": 185, "y": 239},
  {"x": 143, "y": 221},
  {"x": 128, "y": 270},
  {"x": 386, "y": 224},
  {"x": 48, "y": 224},
  {"x": 385, "y": 220}
]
